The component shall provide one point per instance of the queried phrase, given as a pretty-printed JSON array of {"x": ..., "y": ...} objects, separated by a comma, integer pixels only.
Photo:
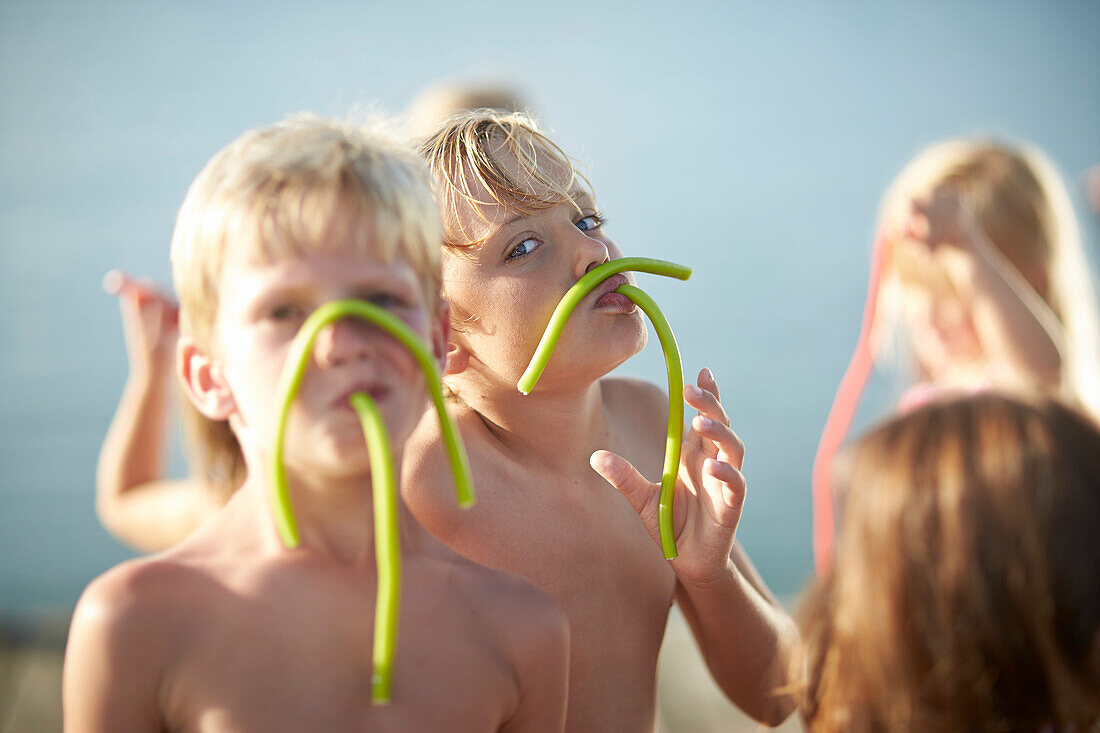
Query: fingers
[
  {"x": 139, "y": 290},
  {"x": 113, "y": 282},
  {"x": 726, "y": 493},
  {"x": 621, "y": 474},
  {"x": 706, "y": 401},
  {"x": 117, "y": 282},
  {"x": 713, "y": 421},
  {"x": 706, "y": 381},
  {"x": 725, "y": 445}
]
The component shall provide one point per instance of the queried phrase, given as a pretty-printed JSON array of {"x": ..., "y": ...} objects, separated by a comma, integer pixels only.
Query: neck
[
  {"x": 553, "y": 427},
  {"x": 335, "y": 516}
]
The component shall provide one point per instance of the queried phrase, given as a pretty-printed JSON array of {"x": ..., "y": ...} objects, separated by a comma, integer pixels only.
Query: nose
[
  {"x": 343, "y": 342},
  {"x": 591, "y": 252}
]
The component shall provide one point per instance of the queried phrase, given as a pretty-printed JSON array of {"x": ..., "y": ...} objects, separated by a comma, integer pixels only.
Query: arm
[
  {"x": 1011, "y": 319},
  {"x": 745, "y": 637},
  {"x": 133, "y": 500},
  {"x": 110, "y": 678},
  {"x": 1012, "y": 322}
]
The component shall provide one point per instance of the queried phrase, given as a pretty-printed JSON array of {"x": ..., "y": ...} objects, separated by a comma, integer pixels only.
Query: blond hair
[
  {"x": 964, "y": 595},
  {"x": 465, "y": 159},
  {"x": 307, "y": 184},
  {"x": 1019, "y": 202}
]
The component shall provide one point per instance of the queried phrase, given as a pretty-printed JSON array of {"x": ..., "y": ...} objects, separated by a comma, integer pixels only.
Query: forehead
[
  {"x": 335, "y": 262},
  {"x": 534, "y": 181},
  {"x": 344, "y": 240}
]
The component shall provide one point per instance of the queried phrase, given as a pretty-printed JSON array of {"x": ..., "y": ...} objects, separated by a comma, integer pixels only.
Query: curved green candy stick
[
  {"x": 674, "y": 441},
  {"x": 298, "y": 358},
  {"x": 387, "y": 549},
  {"x": 569, "y": 301},
  {"x": 576, "y": 293},
  {"x": 383, "y": 474}
]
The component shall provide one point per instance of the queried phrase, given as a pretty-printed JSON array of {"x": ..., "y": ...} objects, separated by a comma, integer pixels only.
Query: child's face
[
  {"x": 503, "y": 292},
  {"x": 261, "y": 309}
]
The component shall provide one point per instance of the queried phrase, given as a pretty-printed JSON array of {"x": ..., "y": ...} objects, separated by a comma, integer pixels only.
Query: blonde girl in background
[{"x": 978, "y": 280}]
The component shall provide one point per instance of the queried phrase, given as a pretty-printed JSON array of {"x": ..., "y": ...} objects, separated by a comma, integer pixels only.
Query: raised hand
[
  {"x": 710, "y": 490},
  {"x": 150, "y": 320}
]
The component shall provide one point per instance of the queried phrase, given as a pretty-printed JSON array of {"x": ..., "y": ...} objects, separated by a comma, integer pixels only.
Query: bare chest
[
  {"x": 298, "y": 663},
  {"x": 586, "y": 547}
]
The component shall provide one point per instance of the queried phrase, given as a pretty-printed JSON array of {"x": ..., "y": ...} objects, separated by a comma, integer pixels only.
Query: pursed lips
[
  {"x": 374, "y": 389},
  {"x": 611, "y": 284}
]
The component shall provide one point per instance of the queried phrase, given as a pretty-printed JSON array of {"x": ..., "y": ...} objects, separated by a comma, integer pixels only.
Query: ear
[
  {"x": 440, "y": 332},
  {"x": 204, "y": 381},
  {"x": 451, "y": 359},
  {"x": 458, "y": 354}
]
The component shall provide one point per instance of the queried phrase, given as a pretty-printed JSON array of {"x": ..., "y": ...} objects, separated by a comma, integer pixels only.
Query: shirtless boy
[
  {"x": 520, "y": 229},
  {"x": 230, "y": 630}
]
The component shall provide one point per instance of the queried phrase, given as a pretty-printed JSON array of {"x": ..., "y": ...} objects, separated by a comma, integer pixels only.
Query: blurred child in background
[
  {"x": 978, "y": 280},
  {"x": 965, "y": 592}
]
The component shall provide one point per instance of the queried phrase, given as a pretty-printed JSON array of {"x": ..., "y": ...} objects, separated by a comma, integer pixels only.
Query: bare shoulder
[
  {"x": 518, "y": 613},
  {"x": 128, "y": 627},
  {"x": 634, "y": 400},
  {"x": 135, "y": 602},
  {"x": 427, "y": 485},
  {"x": 532, "y": 633},
  {"x": 528, "y": 613}
]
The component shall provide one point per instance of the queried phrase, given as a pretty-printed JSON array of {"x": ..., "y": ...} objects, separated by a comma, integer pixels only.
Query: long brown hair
[{"x": 966, "y": 589}]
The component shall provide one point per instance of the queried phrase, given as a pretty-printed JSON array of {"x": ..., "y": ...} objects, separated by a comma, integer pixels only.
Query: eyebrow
[
  {"x": 578, "y": 194},
  {"x": 581, "y": 195}
]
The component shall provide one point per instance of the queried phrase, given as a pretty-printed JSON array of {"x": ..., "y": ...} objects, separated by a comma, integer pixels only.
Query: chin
[
  {"x": 616, "y": 348},
  {"x": 629, "y": 341}
]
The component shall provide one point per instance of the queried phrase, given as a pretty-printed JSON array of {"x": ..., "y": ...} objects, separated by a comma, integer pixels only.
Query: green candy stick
[
  {"x": 387, "y": 548},
  {"x": 575, "y": 294},
  {"x": 383, "y": 474},
  {"x": 674, "y": 441},
  {"x": 569, "y": 301},
  {"x": 298, "y": 359}
]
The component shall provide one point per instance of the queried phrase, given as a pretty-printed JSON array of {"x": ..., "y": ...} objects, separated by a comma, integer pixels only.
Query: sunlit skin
[
  {"x": 544, "y": 513},
  {"x": 232, "y": 631}
]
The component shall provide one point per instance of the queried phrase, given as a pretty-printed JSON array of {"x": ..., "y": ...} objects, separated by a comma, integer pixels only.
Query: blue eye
[
  {"x": 524, "y": 248},
  {"x": 591, "y": 222}
]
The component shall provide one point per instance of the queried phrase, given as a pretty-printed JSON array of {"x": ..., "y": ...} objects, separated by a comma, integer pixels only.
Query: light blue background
[{"x": 749, "y": 140}]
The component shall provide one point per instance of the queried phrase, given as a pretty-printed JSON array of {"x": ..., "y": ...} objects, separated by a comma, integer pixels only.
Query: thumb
[{"x": 621, "y": 474}]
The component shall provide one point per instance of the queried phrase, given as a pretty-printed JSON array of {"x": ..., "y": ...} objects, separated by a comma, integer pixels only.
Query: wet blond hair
[
  {"x": 307, "y": 184},
  {"x": 465, "y": 159},
  {"x": 964, "y": 594},
  {"x": 1019, "y": 202}
]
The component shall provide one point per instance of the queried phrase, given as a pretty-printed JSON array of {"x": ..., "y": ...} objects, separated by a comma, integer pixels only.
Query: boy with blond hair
[
  {"x": 230, "y": 630},
  {"x": 521, "y": 227}
]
